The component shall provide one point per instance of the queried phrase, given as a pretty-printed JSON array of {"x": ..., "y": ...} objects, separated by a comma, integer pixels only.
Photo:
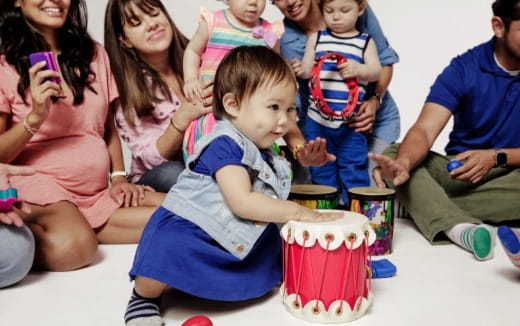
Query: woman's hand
[
  {"x": 364, "y": 120},
  {"x": 42, "y": 89},
  {"x": 12, "y": 216},
  {"x": 189, "y": 111},
  {"x": 127, "y": 194}
]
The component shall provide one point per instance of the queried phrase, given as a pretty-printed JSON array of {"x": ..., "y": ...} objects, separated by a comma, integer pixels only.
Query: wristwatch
[
  {"x": 500, "y": 158},
  {"x": 378, "y": 98}
]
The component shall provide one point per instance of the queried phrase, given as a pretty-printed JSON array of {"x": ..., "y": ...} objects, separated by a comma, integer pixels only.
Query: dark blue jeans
[
  {"x": 351, "y": 166},
  {"x": 162, "y": 177}
]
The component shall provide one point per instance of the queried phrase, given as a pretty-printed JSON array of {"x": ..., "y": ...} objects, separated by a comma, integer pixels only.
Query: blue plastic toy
[
  {"x": 381, "y": 268},
  {"x": 453, "y": 164}
]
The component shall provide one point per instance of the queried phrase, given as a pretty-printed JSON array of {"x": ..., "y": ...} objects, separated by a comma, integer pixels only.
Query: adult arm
[
  {"x": 415, "y": 146},
  {"x": 170, "y": 142},
  {"x": 13, "y": 141},
  {"x": 122, "y": 191},
  {"x": 364, "y": 121},
  {"x": 369, "y": 24}
]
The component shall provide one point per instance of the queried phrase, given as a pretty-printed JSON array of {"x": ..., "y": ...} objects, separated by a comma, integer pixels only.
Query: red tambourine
[{"x": 317, "y": 94}]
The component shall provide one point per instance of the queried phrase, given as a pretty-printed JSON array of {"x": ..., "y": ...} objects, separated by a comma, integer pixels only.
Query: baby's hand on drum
[{"x": 310, "y": 215}]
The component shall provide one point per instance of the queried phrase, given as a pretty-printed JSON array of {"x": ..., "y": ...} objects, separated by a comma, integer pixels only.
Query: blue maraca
[{"x": 453, "y": 164}]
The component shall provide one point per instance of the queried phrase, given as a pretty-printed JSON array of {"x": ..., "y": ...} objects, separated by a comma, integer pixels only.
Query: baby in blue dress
[{"x": 215, "y": 235}]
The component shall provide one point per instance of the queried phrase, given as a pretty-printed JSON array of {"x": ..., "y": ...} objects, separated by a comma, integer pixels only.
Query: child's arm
[
  {"x": 235, "y": 185},
  {"x": 368, "y": 71},
  {"x": 302, "y": 69},
  {"x": 191, "y": 63}
]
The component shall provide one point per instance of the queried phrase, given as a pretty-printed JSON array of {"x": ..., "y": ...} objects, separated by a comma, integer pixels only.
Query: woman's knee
[
  {"x": 64, "y": 239},
  {"x": 65, "y": 251}
]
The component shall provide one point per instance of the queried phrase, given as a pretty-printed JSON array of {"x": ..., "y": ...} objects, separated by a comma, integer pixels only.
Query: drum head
[
  {"x": 312, "y": 192},
  {"x": 371, "y": 193}
]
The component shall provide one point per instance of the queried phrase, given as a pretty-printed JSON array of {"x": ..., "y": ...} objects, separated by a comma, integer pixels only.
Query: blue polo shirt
[{"x": 483, "y": 98}]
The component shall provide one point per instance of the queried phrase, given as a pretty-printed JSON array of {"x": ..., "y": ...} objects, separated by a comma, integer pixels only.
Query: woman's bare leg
[
  {"x": 64, "y": 239},
  {"x": 127, "y": 223}
]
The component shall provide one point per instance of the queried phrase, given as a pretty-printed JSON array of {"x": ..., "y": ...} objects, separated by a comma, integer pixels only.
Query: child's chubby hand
[
  {"x": 193, "y": 90},
  {"x": 310, "y": 215},
  {"x": 349, "y": 69},
  {"x": 297, "y": 68}
]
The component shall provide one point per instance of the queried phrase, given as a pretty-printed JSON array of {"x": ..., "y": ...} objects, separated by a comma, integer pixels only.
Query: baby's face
[
  {"x": 341, "y": 15},
  {"x": 267, "y": 114},
  {"x": 247, "y": 12}
]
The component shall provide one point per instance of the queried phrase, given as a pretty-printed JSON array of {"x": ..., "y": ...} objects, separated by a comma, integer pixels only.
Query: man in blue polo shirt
[{"x": 481, "y": 90}]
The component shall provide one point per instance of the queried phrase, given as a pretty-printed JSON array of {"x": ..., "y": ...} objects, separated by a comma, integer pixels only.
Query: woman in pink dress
[{"x": 65, "y": 130}]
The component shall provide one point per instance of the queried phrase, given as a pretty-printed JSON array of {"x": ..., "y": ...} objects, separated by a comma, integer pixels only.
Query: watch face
[{"x": 501, "y": 158}]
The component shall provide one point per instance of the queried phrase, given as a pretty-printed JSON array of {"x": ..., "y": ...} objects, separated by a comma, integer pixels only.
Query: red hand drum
[{"x": 325, "y": 268}]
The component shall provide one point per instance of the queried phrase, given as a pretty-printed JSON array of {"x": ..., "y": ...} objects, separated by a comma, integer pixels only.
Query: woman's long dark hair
[
  {"x": 132, "y": 74},
  {"x": 18, "y": 40}
]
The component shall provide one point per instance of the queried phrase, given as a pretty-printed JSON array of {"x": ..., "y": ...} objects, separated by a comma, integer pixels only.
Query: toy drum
[
  {"x": 314, "y": 196},
  {"x": 378, "y": 205},
  {"x": 325, "y": 269}
]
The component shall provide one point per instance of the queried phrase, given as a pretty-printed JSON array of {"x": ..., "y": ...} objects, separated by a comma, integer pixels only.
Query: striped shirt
[
  {"x": 225, "y": 36},
  {"x": 333, "y": 86}
]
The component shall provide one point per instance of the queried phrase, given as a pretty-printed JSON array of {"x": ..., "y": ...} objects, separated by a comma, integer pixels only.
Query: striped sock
[
  {"x": 511, "y": 243},
  {"x": 479, "y": 239},
  {"x": 143, "y": 311}
]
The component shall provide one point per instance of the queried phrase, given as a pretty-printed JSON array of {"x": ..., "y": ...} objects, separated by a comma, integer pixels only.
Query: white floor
[{"x": 434, "y": 285}]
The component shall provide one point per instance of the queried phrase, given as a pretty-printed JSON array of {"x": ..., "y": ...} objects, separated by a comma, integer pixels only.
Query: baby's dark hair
[
  {"x": 507, "y": 10},
  {"x": 243, "y": 70}
]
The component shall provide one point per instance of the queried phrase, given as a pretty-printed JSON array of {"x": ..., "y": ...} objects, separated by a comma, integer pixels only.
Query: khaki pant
[{"x": 437, "y": 202}]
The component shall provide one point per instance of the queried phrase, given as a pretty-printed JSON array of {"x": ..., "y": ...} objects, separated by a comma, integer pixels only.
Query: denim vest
[{"x": 197, "y": 197}]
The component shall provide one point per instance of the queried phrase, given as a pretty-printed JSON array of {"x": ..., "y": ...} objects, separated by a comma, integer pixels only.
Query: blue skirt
[{"x": 177, "y": 252}]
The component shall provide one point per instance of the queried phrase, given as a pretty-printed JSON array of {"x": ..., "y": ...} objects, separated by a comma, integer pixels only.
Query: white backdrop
[{"x": 426, "y": 34}]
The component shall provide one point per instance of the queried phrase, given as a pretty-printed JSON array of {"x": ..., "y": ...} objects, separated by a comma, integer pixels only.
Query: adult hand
[
  {"x": 189, "y": 111},
  {"x": 128, "y": 194},
  {"x": 12, "y": 217},
  {"x": 349, "y": 69},
  {"x": 388, "y": 169},
  {"x": 207, "y": 94},
  {"x": 364, "y": 120},
  {"x": 477, "y": 164},
  {"x": 41, "y": 91},
  {"x": 315, "y": 153}
]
